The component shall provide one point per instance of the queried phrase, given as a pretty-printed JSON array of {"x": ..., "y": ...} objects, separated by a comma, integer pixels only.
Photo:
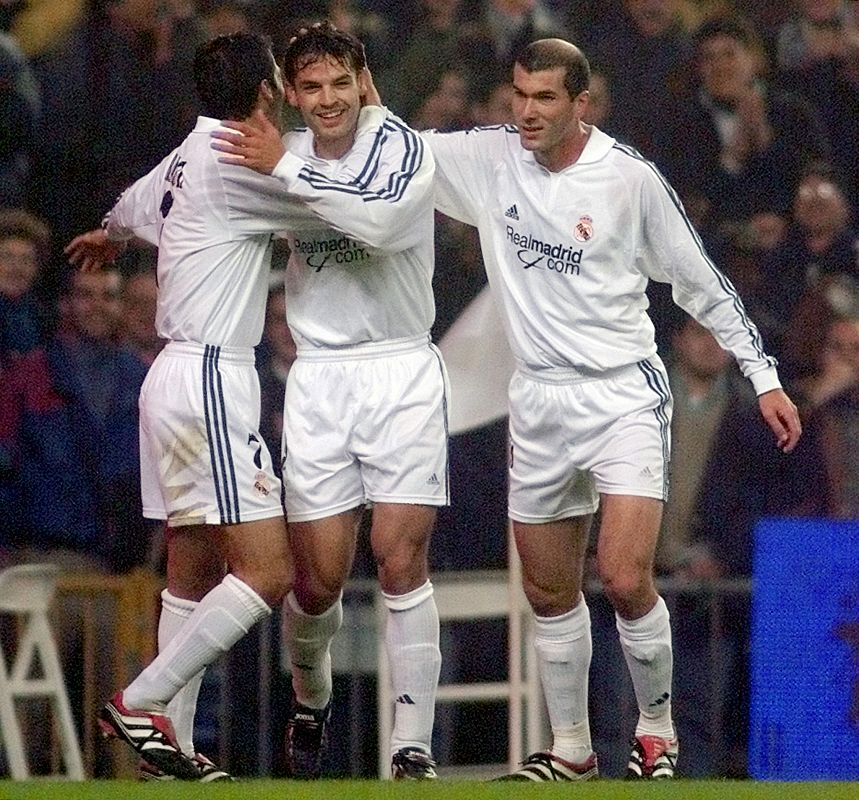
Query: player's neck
[
  {"x": 333, "y": 149},
  {"x": 567, "y": 152}
]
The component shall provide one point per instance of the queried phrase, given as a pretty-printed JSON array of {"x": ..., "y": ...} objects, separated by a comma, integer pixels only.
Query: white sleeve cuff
[
  {"x": 765, "y": 380},
  {"x": 287, "y": 169}
]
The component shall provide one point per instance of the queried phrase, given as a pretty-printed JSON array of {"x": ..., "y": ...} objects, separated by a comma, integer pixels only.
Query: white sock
[
  {"x": 308, "y": 637},
  {"x": 412, "y": 643},
  {"x": 181, "y": 709},
  {"x": 221, "y": 618},
  {"x": 564, "y": 649},
  {"x": 646, "y": 644}
]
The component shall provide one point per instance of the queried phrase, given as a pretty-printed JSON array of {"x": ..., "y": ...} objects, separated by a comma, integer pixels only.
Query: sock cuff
[
  {"x": 178, "y": 605},
  {"x": 569, "y": 626},
  {"x": 403, "y": 602},
  {"x": 257, "y": 607},
  {"x": 653, "y": 623}
]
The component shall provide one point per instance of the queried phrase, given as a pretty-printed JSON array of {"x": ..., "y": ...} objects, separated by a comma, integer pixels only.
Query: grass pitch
[{"x": 441, "y": 790}]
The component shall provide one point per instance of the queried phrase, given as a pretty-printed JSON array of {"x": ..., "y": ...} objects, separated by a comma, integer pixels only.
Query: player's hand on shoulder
[
  {"x": 781, "y": 415},
  {"x": 255, "y": 144},
  {"x": 92, "y": 250},
  {"x": 371, "y": 94}
]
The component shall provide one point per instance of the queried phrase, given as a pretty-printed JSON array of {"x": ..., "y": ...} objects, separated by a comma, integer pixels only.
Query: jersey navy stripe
[
  {"x": 398, "y": 182},
  {"x": 724, "y": 281},
  {"x": 237, "y": 517},
  {"x": 658, "y": 382},
  {"x": 371, "y": 166},
  {"x": 209, "y": 435}
]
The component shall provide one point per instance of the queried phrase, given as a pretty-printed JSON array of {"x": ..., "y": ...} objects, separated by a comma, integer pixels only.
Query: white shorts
[
  {"x": 574, "y": 437},
  {"x": 202, "y": 457},
  {"x": 365, "y": 424}
]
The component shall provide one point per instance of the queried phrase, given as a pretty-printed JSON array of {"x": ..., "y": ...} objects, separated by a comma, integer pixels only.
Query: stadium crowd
[{"x": 750, "y": 109}]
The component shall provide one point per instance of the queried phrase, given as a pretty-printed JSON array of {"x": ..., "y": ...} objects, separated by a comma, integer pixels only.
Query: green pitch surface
[{"x": 442, "y": 790}]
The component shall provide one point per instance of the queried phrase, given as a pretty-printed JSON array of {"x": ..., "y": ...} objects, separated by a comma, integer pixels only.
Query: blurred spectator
[
  {"x": 643, "y": 51},
  {"x": 832, "y": 407},
  {"x": 493, "y": 31},
  {"x": 139, "y": 299},
  {"x": 20, "y": 105},
  {"x": 493, "y": 105},
  {"x": 816, "y": 31},
  {"x": 705, "y": 387},
  {"x": 431, "y": 48},
  {"x": 819, "y": 58},
  {"x": 70, "y": 439},
  {"x": 739, "y": 143},
  {"x": 40, "y": 25},
  {"x": 275, "y": 357},
  {"x": 820, "y": 242},
  {"x": 599, "y": 107},
  {"x": 118, "y": 93},
  {"x": 223, "y": 17},
  {"x": 447, "y": 108},
  {"x": 24, "y": 245}
]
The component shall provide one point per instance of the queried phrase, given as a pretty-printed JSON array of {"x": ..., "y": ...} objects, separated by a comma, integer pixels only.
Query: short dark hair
[
  {"x": 228, "y": 71},
  {"x": 310, "y": 43},
  {"x": 554, "y": 53}
]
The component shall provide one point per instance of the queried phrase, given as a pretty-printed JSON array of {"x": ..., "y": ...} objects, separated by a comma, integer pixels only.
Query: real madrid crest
[{"x": 584, "y": 229}]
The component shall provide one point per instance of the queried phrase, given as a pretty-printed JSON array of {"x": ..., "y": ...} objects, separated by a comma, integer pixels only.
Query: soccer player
[
  {"x": 205, "y": 467},
  {"x": 573, "y": 225},
  {"x": 365, "y": 412}
]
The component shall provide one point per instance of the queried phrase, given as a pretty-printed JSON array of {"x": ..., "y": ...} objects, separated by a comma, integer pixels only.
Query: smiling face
[
  {"x": 549, "y": 120},
  {"x": 328, "y": 95}
]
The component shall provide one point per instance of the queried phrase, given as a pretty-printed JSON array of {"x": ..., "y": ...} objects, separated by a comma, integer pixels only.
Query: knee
[
  {"x": 402, "y": 568},
  {"x": 317, "y": 591},
  {"x": 551, "y": 601},
  {"x": 629, "y": 589}
]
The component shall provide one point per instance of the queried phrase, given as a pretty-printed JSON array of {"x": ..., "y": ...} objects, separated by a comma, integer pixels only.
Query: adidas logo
[
  {"x": 512, "y": 212},
  {"x": 432, "y": 480},
  {"x": 405, "y": 700}
]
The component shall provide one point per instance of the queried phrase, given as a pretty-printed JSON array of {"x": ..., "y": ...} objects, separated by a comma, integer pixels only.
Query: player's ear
[
  {"x": 266, "y": 91},
  {"x": 291, "y": 96},
  {"x": 363, "y": 83}
]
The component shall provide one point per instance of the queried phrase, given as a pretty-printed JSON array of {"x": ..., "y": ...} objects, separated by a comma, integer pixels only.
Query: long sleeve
[{"x": 378, "y": 191}]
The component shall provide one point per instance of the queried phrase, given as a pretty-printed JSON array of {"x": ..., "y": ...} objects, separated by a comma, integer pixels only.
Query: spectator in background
[
  {"x": 492, "y": 103},
  {"x": 275, "y": 357},
  {"x": 139, "y": 300},
  {"x": 223, "y": 17},
  {"x": 643, "y": 51},
  {"x": 431, "y": 48},
  {"x": 818, "y": 55},
  {"x": 117, "y": 94},
  {"x": 493, "y": 31},
  {"x": 739, "y": 143},
  {"x": 447, "y": 108},
  {"x": 820, "y": 242},
  {"x": 831, "y": 399},
  {"x": 71, "y": 439},
  {"x": 20, "y": 105},
  {"x": 24, "y": 245}
]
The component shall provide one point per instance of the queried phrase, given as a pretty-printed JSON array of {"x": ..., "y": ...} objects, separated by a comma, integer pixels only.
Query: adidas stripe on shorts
[
  {"x": 202, "y": 457},
  {"x": 367, "y": 423},
  {"x": 574, "y": 436}
]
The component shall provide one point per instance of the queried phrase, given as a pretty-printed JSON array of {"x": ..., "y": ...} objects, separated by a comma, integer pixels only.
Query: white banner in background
[{"x": 479, "y": 363}]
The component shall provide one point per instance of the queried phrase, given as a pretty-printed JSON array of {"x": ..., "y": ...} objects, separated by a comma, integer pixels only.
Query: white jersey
[
  {"x": 569, "y": 253},
  {"x": 213, "y": 225},
  {"x": 365, "y": 275}
]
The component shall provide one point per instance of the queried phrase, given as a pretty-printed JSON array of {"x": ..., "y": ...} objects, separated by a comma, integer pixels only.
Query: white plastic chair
[{"x": 27, "y": 591}]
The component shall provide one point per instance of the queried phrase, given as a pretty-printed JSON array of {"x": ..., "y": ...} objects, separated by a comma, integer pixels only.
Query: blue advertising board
[{"x": 804, "y": 716}]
